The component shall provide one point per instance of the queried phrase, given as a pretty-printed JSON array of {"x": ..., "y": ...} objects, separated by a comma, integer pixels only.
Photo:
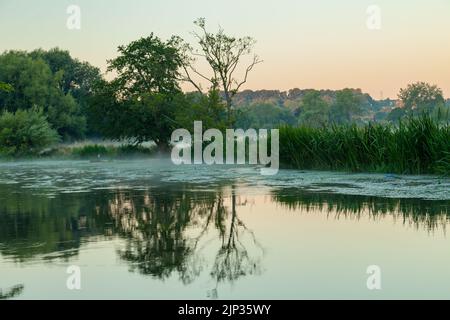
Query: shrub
[
  {"x": 97, "y": 151},
  {"x": 92, "y": 151},
  {"x": 25, "y": 132}
]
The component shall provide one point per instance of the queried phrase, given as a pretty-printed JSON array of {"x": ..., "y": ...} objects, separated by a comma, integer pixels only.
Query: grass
[
  {"x": 415, "y": 146},
  {"x": 89, "y": 150}
]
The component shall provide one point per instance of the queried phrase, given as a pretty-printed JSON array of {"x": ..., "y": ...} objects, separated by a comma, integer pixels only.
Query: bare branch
[
  {"x": 249, "y": 68},
  {"x": 223, "y": 53},
  {"x": 189, "y": 79}
]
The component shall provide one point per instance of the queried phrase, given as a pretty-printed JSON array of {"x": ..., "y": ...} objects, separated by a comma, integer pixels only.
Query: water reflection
[
  {"x": 431, "y": 214},
  {"x": 166, "y": 230},
  {"x": 167, "y": 233},
  {"x": 11, "y": 292},
  {"x": 169, "y": 229},
  {"x": 32, "y": 226}
]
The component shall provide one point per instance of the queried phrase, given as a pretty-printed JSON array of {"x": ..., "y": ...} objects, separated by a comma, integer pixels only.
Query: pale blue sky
[{"x": 304, "y": 43}]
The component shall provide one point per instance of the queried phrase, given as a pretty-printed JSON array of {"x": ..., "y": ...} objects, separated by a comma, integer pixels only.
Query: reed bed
[{"x": 414, "y": 146}]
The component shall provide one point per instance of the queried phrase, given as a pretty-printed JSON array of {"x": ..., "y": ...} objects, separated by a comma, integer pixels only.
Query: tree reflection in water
[
  {"x": 169, "y": 231},
  {"x": 11, "y": 292},
  {"x": 430, "y": 214}
]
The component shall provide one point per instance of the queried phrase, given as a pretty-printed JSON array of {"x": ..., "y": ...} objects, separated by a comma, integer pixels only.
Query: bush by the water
[
  {"x": 415, "y": 146},
  {"x": 91, "y": 151},
  {"x": 25, "y": 132}
]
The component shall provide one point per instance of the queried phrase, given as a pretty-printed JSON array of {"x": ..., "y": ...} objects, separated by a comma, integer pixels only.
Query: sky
[{"x": 322, "y": 44}]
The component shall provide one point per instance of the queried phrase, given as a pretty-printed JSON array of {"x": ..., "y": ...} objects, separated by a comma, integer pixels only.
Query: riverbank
[
  {"x": 90, "y": 150},
  {"x": 415, "y": 146}
]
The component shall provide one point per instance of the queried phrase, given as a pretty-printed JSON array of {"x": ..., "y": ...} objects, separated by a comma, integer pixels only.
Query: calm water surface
[{"x": 151, "y": 230}]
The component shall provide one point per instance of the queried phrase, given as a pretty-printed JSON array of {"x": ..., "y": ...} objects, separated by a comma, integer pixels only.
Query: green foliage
[
  {"x": 129, "y": 150},
  {"x": 25, "y": 132},
  {"x": 140, "y": 103},
  {"x": 224, "y": 55},
  {"x": 149, "y": 117},
  {"x": 144, "y": 102},
  {"x": 35, "y": 84},
  {"x": 99, "y": 151},
  {"x": 148, "y": 65},
  {"x": 206, "y": 108},
  {"x": 347, "y": 104},
  {"x": 152, "y": 118},
  {"x": 6, "y": 87},
  {"x": 265, "y": 116},
  {"x": 314, "y": 111},
  {"x": 441, "y": 113},
  {"x": 421, "y": 97},
  {"x": 75, "y": 78},
  {"x": 91, "y": 151},
  {"x": 416, "y": 146},
  {"x": 396, "y": 115},
  {"x": 105, "y": 111},
  {"x": 31, "y": 79}
]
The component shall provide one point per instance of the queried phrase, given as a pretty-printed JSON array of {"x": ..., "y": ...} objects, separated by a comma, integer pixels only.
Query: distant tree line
[{"x": 318, "y": 108}]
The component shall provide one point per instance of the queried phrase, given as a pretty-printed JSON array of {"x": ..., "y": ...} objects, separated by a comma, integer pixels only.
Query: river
[{"x": 147, "y": 229}]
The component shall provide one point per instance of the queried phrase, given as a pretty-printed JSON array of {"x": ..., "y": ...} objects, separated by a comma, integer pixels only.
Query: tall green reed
[{"x": 414, "y": 146}]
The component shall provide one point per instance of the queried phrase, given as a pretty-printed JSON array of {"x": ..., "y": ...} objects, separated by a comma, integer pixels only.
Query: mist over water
[{"x": 54, "y": 177}]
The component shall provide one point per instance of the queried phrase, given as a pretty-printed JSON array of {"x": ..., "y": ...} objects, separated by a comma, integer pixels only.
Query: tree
[
  {"x": 30, "y": 78},
  {"x": 106, "y": 112},
  {"x": 149, "y": 117},
  {"x": 209, "y": 109},
  {"x": 314, "y": 111},
  {"x": 148, "y": 65},
  {"x": 140, "y": 103},
  {"x": 421, "y": 97},
  {"x": 35, "y": 84},
  {"x": 76, "y": 78},
  {"x": 346, "y": 105},
  {"x": 224, "y": 55}
]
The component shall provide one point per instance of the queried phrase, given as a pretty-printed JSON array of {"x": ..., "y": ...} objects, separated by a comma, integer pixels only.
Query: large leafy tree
[
  {"x": 35, "y": 84},
  {"x": 77, "y": 78},
  {"x": 140, "y": 103},
  {"x": 148, "y": 65},
  {"x": 421, "y": 97},
  {"x": 32, "y": 80}
]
